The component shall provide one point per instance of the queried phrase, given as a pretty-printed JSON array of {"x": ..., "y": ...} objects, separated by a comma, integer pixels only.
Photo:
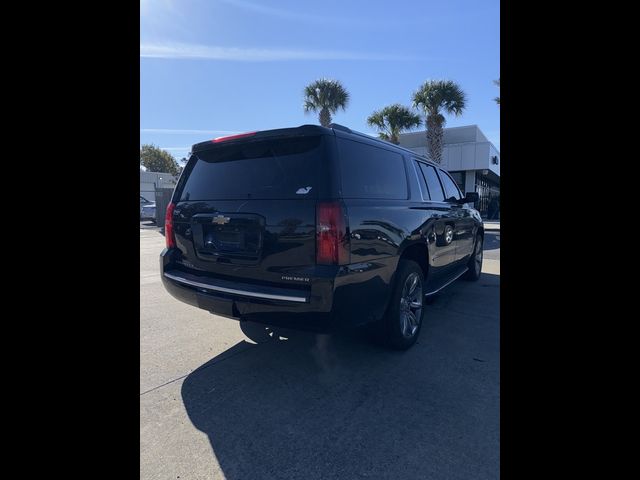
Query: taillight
[
  {"x": 168, "y": 226},
  {"x": 332, "y": 243}
]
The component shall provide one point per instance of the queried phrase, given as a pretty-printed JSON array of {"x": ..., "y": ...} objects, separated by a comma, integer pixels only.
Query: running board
[{"x": 448, "y": 282}]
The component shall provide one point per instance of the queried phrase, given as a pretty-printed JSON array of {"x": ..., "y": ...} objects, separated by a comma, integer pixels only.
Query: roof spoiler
[{"x": 301, "y": 130}]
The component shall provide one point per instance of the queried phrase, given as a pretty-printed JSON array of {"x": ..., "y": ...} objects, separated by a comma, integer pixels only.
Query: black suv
[{"x": 316, "y": 228}]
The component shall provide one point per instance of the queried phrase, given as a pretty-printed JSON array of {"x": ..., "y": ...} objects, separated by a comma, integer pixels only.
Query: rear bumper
[
  {"x": 305, "y": 309},
  {"x": 346, "y": 298},
  {"x": 302, "y": 316},
  {"x": 237, "y": 290}
]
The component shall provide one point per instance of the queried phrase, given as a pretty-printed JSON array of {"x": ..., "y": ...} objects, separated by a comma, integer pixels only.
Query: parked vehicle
[
  {"x": 148, "y": 212},
  {"x": 143, "y": 201},
  {"x": 317, "y": 228}
]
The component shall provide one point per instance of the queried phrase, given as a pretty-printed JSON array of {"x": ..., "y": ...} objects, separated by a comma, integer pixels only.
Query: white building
[
  {"x": 150, "y": 180},
  {"x": 468, "y": 155}
]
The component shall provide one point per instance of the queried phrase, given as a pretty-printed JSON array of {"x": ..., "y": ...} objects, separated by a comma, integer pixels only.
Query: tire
[
  {"x": 403, "y": 320},
  {"x": 475, "y": 261}
]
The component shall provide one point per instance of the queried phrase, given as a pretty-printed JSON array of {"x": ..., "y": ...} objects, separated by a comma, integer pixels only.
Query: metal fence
[
  {"x": 163, "y": 197},
  {"x": 489, "y": 191}
]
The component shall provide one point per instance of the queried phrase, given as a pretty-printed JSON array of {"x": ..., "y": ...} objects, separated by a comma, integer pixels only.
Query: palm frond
[
  {"x": 309, "y": 106},
  {"x": 435, "y": 96},
  {"x": 392, "y": 120},
  {"x": 376, "y": 119},
  {"x": 325, "y": 93}
]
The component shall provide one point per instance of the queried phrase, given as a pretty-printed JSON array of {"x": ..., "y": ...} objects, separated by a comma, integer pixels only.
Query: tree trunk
[
  {"x": 435, "y": 136},
  {"x": 325, "y": 117}
]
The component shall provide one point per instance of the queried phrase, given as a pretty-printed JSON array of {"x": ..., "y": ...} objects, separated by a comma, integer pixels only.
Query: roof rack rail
[{"x": 337, "y": 126}]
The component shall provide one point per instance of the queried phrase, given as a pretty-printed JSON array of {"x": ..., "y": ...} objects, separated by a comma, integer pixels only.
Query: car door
[
  {"x": 443, "y": 248},
  {"x": 462, "y": 220}
]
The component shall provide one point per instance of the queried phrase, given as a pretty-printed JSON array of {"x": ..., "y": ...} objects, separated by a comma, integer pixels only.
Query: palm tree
[
  {"x": 435, "y": 97},
  {"x": 392, "y": 121},
  {"x": 325, "y": 96},
  {"x": 497, "y": 82}
]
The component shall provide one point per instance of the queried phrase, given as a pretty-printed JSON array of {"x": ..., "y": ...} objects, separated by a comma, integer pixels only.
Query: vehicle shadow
[
  {"x": 303, "y": 405},
  {"x": 148, "y": 224}
]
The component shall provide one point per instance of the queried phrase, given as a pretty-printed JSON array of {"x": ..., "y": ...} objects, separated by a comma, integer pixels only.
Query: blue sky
[{"x": 214, "y": 67}]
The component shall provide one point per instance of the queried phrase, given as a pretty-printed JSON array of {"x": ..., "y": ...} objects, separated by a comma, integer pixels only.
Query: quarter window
[{"x": 371, "y": 172}]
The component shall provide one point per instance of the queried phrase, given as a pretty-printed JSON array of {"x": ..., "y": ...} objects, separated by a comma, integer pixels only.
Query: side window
[
  {"x": 450, "y": 186},
  {"x": 371, "y": 172},
  {"x": 459, "y": 178},
  {"x": 431, "y": 177}
]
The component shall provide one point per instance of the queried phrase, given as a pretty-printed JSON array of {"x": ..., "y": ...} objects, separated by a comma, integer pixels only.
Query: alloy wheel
[
  {"x": 411, "y": 305},
  {"x": 478, "y": 256}
]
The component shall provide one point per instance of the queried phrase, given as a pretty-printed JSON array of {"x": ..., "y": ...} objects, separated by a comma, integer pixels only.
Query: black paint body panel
[{"x": 273, "y": 245}]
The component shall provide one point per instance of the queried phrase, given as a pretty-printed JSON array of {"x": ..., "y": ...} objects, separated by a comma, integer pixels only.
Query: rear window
[
  {"x": 371, "y": 172},
  {"x": 267, "y": 169}
]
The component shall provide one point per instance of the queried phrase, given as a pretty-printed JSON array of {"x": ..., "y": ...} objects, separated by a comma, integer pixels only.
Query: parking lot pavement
[
  {"x": 492, "y": 251},
  {"x": 220, "y": 401}
]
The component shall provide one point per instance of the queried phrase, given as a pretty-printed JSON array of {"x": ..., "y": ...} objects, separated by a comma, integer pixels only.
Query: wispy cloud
[
  {"x": 209, "y": 52},
  {"x": 177, "y": 131},
  {"x": 336, "y": 20},
  {"x": 275, "y": 12}
]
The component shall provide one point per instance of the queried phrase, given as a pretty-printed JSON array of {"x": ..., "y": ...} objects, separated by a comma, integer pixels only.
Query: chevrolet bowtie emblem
[{"x": 220, "y": 220}]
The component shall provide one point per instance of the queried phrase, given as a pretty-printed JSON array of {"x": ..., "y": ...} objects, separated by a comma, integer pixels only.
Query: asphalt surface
[
  {"x": 220, "y": 401},
  {"x": 492, "y": 245}
]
